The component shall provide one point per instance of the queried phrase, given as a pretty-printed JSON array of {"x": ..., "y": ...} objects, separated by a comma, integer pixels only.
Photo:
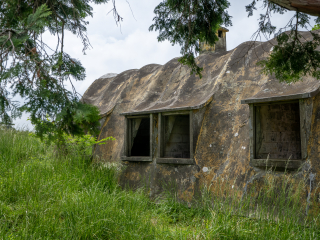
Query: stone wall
[{"x": 221, "y": 44}]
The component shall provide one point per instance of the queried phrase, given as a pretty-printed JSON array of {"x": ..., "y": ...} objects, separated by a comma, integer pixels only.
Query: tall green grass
[{"x": 44, "y": 195}]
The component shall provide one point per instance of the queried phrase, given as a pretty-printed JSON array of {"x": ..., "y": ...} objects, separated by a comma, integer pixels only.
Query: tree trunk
[{"x": 311, "y": 7}]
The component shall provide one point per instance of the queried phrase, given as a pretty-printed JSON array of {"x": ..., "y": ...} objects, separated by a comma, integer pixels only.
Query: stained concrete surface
[{"x": 221, "y": 124}]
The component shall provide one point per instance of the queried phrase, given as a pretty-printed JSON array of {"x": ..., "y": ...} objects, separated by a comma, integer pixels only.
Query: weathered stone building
[{"x": 171, "y": 126}]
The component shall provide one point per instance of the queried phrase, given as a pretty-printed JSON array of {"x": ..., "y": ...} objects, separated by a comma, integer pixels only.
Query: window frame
[
  {"x": 277, "y": 163},
  {"x": 160, "y": 159},
  {"x": 127, "y": 139}
]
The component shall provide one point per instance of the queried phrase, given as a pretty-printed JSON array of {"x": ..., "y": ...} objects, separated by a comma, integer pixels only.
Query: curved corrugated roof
[{"x": 170, "y": 87}]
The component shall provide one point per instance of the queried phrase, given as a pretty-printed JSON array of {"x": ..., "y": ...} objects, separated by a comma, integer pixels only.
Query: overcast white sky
[{"x": 114, "y": 50}]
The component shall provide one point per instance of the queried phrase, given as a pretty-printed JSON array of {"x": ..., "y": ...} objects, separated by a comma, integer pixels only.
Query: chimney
[{"x": 221, "y": 44}]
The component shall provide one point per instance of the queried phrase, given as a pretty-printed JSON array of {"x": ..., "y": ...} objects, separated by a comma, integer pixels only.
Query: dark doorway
[{"x": 140, "y": 137}]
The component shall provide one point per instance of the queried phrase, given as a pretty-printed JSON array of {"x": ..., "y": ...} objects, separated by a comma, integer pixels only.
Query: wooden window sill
[
  {"x": 278, "y": 163},
  {"x": 182, "y": 161},
  {"x": 137, "y": 159}
]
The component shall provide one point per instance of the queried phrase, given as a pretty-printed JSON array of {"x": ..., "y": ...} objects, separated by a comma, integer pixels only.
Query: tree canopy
[
  {"x": 187, "y": 21},
  {"x": 38, "y": 73},
  {"x": 31, "y": 69}
]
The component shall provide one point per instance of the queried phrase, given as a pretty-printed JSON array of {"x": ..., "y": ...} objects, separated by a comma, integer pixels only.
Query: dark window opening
[
  {"x": 220, "y": 34},
  {"x": 140, "y": 137},
  {"x": 177, "y": 136},
  {"x": 278, "y": 131}
]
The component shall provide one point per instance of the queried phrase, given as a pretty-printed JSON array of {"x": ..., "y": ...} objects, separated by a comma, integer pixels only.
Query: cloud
[{"x": 110, "y": 55}]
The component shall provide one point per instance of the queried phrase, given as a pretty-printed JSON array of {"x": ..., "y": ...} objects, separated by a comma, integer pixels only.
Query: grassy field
[{"x": 43, "y": 196}]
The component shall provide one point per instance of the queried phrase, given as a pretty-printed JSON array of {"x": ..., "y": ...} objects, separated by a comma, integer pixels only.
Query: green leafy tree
[
  {"x": 186, "y": 22},
  {"x": 316, "y": 27},
  {"x": 31, "y": 69},
  {"x": 293, "y": 56}
]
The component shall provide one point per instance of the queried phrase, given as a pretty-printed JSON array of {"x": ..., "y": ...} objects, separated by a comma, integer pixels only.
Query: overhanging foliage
[
  {"x": 186, "y": 22},
  {"x": 29, "y": 68},
  {"x": 292, "y": 57}
]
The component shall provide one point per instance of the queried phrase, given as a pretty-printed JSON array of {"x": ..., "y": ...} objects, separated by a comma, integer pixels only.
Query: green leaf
[
  {"x": 187, "y": 22},
  {"x": 292, "y": 59}
]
